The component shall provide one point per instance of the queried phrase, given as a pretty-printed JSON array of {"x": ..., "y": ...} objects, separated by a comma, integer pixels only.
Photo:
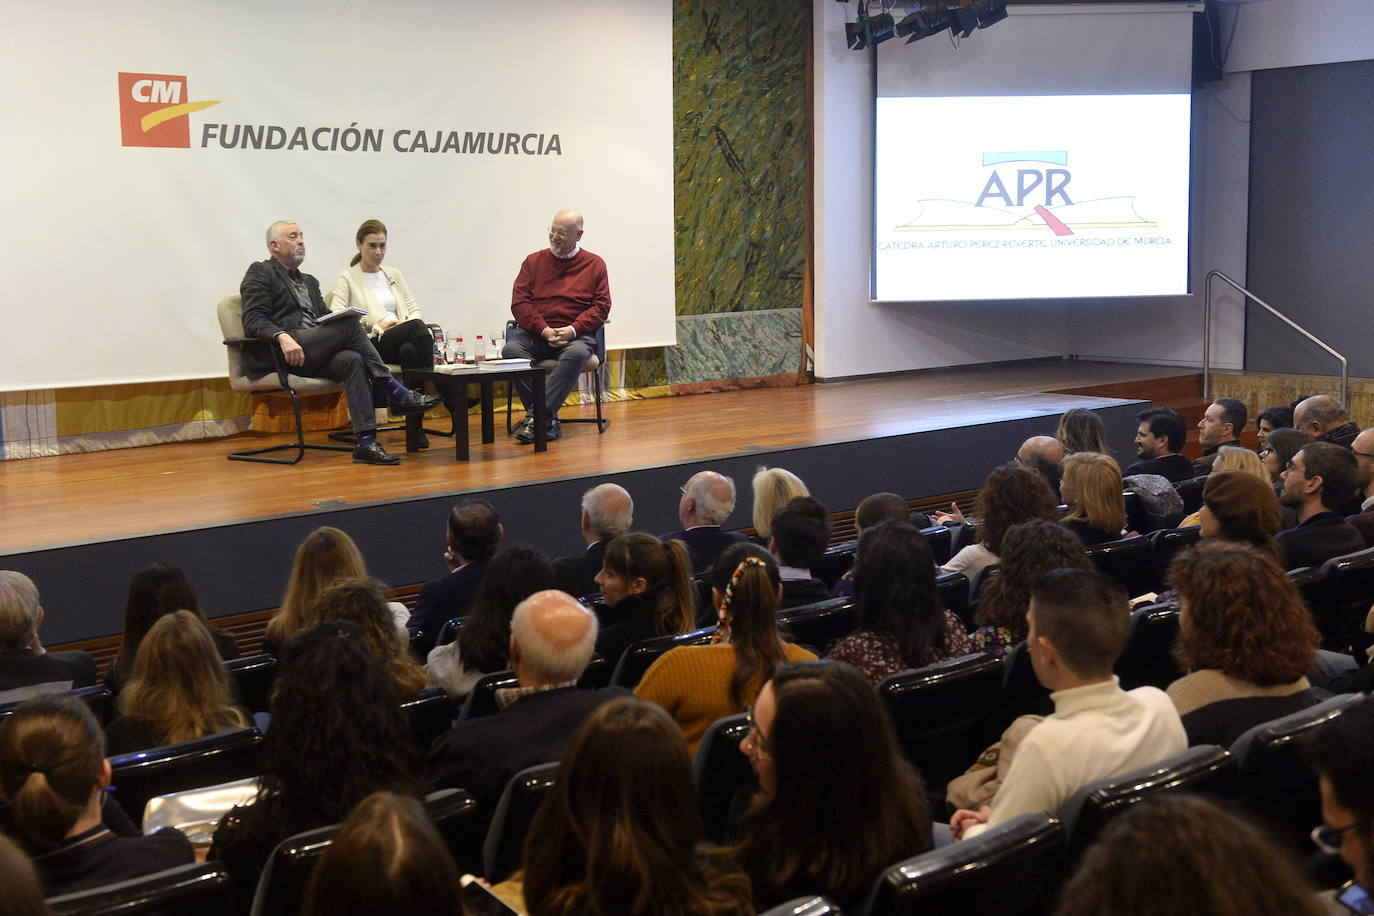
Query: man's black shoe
[
  {"x": 555, "y": 430},
  {"x": 525, "y": 432},
  {"x": 418, "y": 403},
  {"x": 374, "y": 454}
]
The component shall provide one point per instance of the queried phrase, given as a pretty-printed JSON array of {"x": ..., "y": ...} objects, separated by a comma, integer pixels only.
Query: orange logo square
[{"x": 153, "y": 110}]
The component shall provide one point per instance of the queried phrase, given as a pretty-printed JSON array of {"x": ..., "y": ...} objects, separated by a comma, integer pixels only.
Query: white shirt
[
  {"x": 969, "y": 560},
  {"x": 381, "y": 287}
]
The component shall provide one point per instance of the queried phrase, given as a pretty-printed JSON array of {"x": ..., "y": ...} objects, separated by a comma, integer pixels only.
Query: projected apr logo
[{"x": 153, "y": 109}]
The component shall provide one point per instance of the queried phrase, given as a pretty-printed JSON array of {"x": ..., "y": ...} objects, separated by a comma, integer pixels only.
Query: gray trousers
[
  {"x": 562, "y": 378},
  {"x": 341, "y": 351}
]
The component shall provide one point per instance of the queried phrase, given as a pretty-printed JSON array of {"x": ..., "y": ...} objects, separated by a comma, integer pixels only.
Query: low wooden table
[{"x": 453, "y": 385}]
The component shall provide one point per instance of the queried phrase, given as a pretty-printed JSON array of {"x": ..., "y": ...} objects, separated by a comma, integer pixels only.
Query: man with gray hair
[
  {"x": 707, "y": 500},
  {"x": 1324, "y": 419},
  {"x": 26, "y": 668},
  {"x": 283, "y": 306},
  {"x": 552, "y": 638},
  {"x": 607, "y": 513}
]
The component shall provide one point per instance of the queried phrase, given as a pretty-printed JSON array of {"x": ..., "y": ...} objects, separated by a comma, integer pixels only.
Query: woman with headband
[{"x": 699, "y": 684}]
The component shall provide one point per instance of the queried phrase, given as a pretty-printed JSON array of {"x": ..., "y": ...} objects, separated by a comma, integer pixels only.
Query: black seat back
[
  {"x": 253, "y": 677},
  {"x": 208, "y": 761},
  {"x": 639, "y": 656},
  {"x": 1013, "y": 869},
  {"x": 1022, "y": 692},
  {"x": 505, "y": 843},
  {"x": 1190, "y": 491},
  {"x": 481, "y": 699},
  {"x": 940, "y": 539},
  {"x": 721, "y": 771},
  {"x": 1167, "y": 544},
  {"x": 203, "y": 888},
  {"x": 804, "y": 906},
  {"x": 819, "y": 626},
  {"x": 428, "y": 714},
  {"x": 97, "y": 698},
  {"x": 1346, "y": 599},
  {"x": 953, "y": 589},
  {"x": 835, "y": 562},
  {"x": 1148, "y": 658},
  {"x": 449, "y": 631},
  {"x": 1128, "y": 562}
]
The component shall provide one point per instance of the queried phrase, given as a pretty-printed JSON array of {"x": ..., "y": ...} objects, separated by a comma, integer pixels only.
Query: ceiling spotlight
[
  {"x": 989, "y": 11},
  {"x": 928, "y": 17},
  {"x": 962, "y": 21}
]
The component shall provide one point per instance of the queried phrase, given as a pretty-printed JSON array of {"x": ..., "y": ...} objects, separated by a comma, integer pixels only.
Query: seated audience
[
  {"x": 550, "y": 644},
  {"x": 1323, "y": 419},
  {"x": 773, "y": 489},
  {"x": 1237, "y": 506},
  {"x": 1081, "y": 430},
  {"x": 53, "y": 775},
  {"x": 1010, "y": 495},
  {"x": 483, "y": 644},
  {"x": 179, "y": 690},
  {"x": 1279, "y": 416},
  {"x": 1184, "y": 854},
  {"x": 707, "y": 500},
  {"x": 361, "y": 603},
  {"x": 901, "y": 622},
  {"x": 1092, "y": 490},
  {"x": 1341, "y": 753},
  {"x": 1317, "y": 483},
  {"x": 874, "y": 510},
  {"x": 157, "y": 590},
  {"x": 837, "y": 803},
  {"x": 699, "y": 684},
  {"x": 647, "y": 588},
  {"x": 1158, "y": 441},
  {"x": 337, "y": 736},
  {"x": 1078, "y": 623},
  {"x": 801, "y": 532},
  {"x": 1042, "y": 454},
  {"x": 1245, "y": 637},
  {"x": 20, "y": 892},
  {"x": 1031, "y": 549},
  {"x": 26, "y": 668},
  {"x": 621, "y": 833},
  {"x": 387, "y": 859},
  {"x": 1220, "y": 425},
  {"x": 474, "y": 532},
  {"x": 1363, "y": 449},
  {"x": 607, "y": 513},
  {"x": 1280, "y": 447}
]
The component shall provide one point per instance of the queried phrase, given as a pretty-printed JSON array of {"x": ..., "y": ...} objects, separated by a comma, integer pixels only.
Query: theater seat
[
  {"x": 1167, "y": 544},
  {"x": 953, "y": 589},
  {"x": 804, "y": 906},
  {"x": 639, "y": 656},
  {"x": 1345, "y": 600},
  {"x": 97, "y": 698},
  {"x": 1022, "y": 692},
  {"x": 253, "y": 677},
  {"x": 449, "y": 631},
  {"x": 1148, "y": 658},
  {"x": 428, "y": 714},
  {"x": 481, "y": 699},
  {"x": 209, "y": 761},
  {"x": 835, "y": 562},
  {"x": 941, "y": 540},
  {"x": 1128, "y": 562},
  {"x": 505, "y": 843},
  {"x": 1013, "y": 869},
  {"x": 721, "y": 771},
  {"x": 819, "y": 626},
  {"x": 202, "y": 888}
]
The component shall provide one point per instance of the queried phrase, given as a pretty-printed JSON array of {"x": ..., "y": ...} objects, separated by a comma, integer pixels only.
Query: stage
[{"x": 80, "y": 525}]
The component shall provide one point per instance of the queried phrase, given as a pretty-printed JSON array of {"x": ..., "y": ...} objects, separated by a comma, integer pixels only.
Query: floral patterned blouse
[{"x": 877, "y": 657}]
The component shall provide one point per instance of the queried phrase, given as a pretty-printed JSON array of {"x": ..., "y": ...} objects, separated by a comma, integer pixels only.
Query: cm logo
[{"x": 153, "y": 110}]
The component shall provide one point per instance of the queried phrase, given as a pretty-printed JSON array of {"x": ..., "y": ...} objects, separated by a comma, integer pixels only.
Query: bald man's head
[
  {"x": 1318, "y": 414},
  {"x": 552, "y": 637}
]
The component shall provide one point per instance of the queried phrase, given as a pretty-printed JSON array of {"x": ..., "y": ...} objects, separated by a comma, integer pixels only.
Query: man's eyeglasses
[
  {"x": 755, "y": 732},
  {"x": 1329, "y": 839},
  {"x": 1265, "y": 452},
  {"x": 561, "y": 233}
]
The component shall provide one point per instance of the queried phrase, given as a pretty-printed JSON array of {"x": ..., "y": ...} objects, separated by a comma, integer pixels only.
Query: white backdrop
[{"x": 119, "y": 253}]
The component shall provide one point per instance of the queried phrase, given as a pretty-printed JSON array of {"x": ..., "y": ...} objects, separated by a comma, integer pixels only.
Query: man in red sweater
[{"x": 561, "y": 297}]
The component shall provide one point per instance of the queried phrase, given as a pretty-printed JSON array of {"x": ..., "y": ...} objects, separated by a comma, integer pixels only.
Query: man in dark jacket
[{"x": 26, "y": 668}]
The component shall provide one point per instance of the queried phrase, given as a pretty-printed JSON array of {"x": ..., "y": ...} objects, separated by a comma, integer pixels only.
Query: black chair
[
  {"x": 481, "y": 699},
  {"x": 1022, "y": 692},
  {"x": 1013, "y": 869},
  {"x": 511, "y": 821},
  {"x": 1346, "y": 599},
  {"x": 449, "y": 631},
  {"x": 1148, "y": 658},
  {"x": 940, "y": 540},
  {"x": 419, "y": 642},
  {"x": 592, "y": 365},
  {"x": 1310, "y": 581},
  {"x": 1205, "y": 768},
  {"x": 1190, "y": 491},
  {"x": 203, "y": 888},
  {"x": 980, "y": 581},
  {"x": 1166, "y": 544},
  {"x": 1128, "y": 562},
  {"x": 209, "y": 761},
  {"x": 1275, "y": 783},
  {"x": 428, "y": 714},
  {"x": 721, "y": 771},
  {"x": 804, "y": 906},
  {"x": 97, "y": 698},
  {"x": 941, "y": 714},
  {"x": 953, "y": 589},
  {"x": 1137, "y": 519},
  {"x": 835, "y": 562},
  {"x": 639, "y": 656},
  {"x": 819, "y": 626},
  {"x": 253, "y": 677},
  {"x": 597, "y": 674}
]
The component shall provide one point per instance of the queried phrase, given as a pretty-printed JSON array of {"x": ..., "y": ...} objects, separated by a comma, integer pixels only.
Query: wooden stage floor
[{"x": 80, "y": 499}]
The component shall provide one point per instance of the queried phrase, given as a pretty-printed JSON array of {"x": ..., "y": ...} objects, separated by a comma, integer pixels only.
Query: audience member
[
  {"x": 386, "y": 859},
  {"x": 474, "y": 532},
  {"x": 1232, "y": 458},
  {"x": 20, "y": 892},
  {"x": 1092, "y": 490},
  {"x": 800, "y": 534},
  {"x": 1010, "y": 495},
  {"x": 1042, "y": 454},
  {"x": 483, "y": 644},
  {"x": 1341, "y": 753},
  {"x": 607, "y": 513},
  {"x": 1279, "y": 416},
  {"x": 699, "y": 684},
  {"x": 1324, "y": 419},
  {"x": 1158, "y": 442},
  {"x": 157, "y": 590},
  {"x": 1184, "y": 854},
  {"x": 337, "y": 736},
  {"x": 1280, "y": 447},
  {"x": 1078, "y": 620},
  {"x": 874, "y": 510},
  {"x": 179, "y": 690},
  {"x": 707, "y": 500},
  {"x": 773, "y": 489},
  {"x": 1081, "y": 430},
  {"x": 1363, "y": 449},
  {"x": 647, "y": 588},
  {"x": 551, "y": 641},
  {"x": 26, "y": 668},
  {"x": 901, "y": 623},
  {"x": 1220, "y": 425},
  {"x": 1245, "y": 637},
  {"x": 1030, "y": 549},
  {"x": 1318, "y": 482},
  {"x": 837, "y": 803},
  {"x": 621, "y": 833},
  {"x": 53, "y": 775},
  {"x": 361, "y": 603},
  {"x": 1237, "y": 506}
]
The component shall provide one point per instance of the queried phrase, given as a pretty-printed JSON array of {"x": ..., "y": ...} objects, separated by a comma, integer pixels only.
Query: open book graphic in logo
[{"x": 1035, "y": 198}]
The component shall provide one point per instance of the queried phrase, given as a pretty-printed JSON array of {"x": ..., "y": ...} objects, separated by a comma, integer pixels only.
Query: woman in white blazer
[{"x": 393, "y": 319}]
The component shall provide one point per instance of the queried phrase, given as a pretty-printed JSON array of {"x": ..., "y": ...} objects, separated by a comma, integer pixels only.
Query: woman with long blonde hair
[{"x": 1092, "y": 490}]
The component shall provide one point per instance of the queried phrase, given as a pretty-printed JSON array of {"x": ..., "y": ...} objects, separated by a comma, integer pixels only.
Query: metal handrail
[{"x": 1207, "y": 335}]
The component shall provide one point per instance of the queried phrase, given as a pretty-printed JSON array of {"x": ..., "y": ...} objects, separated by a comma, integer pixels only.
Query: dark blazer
[
  {"x": 270, "y": 306},
  {"x": 444, "y": 598},
  {"x": 1364, "y": 523},
  {"x": 577, "y": 574},
  {"x": 481, "y": 755},
  {"x": 798, "y": 592},
  {"x": 1321, "y": 537},
  {"x": 22, "y": 672},
  {"x": 1172, "y": 468},
  {"x": 705, "y": 543}
]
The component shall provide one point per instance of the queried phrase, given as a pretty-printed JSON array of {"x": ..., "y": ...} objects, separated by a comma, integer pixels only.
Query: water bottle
[
  {"x": 460, "y": 352},
  {"x": 450, "y": 352},
  {"x": 479, "y": 349},
  {"x": 495, "y": 346},
  {"x": 439, "y": 350}
]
